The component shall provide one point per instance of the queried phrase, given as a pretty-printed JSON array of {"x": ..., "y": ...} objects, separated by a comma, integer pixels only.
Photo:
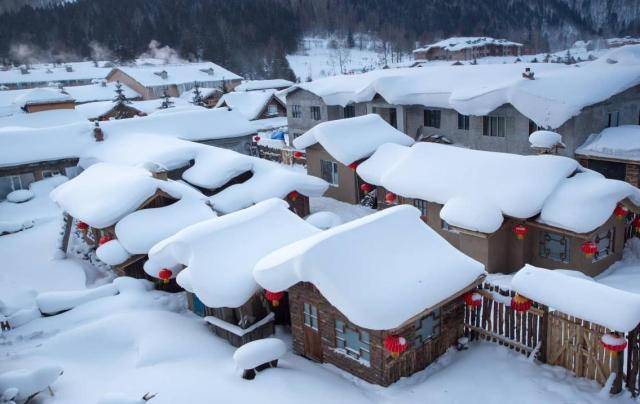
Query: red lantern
[
  {"x": 395, "y": 345},
  {"x": 390, "y": 198},
  {"x": 274, "y": 297},
  {"x": 353, "y": 166},
  {"x": 293, "y": 195},
  {"x": 589, "y": 248},
  {"x": 366, "y": 188},
  {"x": 620, "y": 212},
  {"x": 520, "y": 303},
  {"x": 165, "y": 275},
  {"x": 105, "y": 239},
  {"x": 473, "y": 299},
  {"x": 520, "y": 231},
  {"x": 82, "y": 226},
  {"x": 297, "y": 154},
  {"x": 613, "y": 342},
  {"x": 256, "y": 139}
]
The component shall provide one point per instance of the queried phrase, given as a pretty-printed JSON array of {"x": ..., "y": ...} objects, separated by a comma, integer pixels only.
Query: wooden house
[
  {"x": 44, "y": 99},
  {"x": 467, "y": 48},
  {"x": 507, "y": 210},
  {"x": 143, "y": 209},
  {"x": 214, "y": 263},
  {"x": 254, "y": 105},
  {"x": 378, "y": 297},
  {"x": 334, "y": 148},
  {"x": 108, "y": 110}
]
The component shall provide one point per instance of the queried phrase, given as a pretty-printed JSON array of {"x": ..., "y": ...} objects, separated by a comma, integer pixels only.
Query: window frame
[
  {"x": 610, "y": 115},
  {"x": 491, "y": 125},
  {"x": 272, "y": 109},
  {"x": 13, "y": 179},
  {"x": 310, "y": 316},
  {"x": 463, "y": 122},
  {"x": 420, "y": 338},
  {"x": 296, "y": 111},
  {"x": 422, "y": 206},
  {"x": 333, "y": 179},
  {"x": 363, "y": 351},
  {"x": 316, "y": 112},
  {"x": 432, "y": 118},
  {"x": 605, "y": 251},
  {"x": 351, "y": 111},
  {"x": 563, "y": 240}
]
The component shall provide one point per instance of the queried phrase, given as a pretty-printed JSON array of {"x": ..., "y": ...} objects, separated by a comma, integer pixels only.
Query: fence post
[
  {"x": 633, "y": 362},
  {"x": 618, "y": 362},
  {"x": 545, "y": 330}
]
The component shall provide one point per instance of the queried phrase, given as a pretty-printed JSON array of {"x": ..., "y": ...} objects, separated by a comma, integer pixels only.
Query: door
[{"x": 312, "y": 341}]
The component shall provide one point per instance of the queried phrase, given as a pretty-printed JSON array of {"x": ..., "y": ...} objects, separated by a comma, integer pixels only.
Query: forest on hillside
[{"x": 252, "y": 37}]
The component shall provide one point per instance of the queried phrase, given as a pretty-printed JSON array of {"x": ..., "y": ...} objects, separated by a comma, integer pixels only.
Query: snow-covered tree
[
  {"x": 197, "y": 96},
  {"x": 121, "y": 98}
]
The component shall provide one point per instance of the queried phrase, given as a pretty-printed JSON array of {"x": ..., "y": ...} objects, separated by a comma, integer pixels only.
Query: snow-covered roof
[
  {"x": 622, "y": 143},
  {"x": 93, "y": 110},
  {"x": 219, "y": 261},
  {"x": 105, "y": 193},
  {"x": 459, "y": 43},
  {"x": 507, "y": 184},
  {"x": 352, "y": 139},
  {"x": 251, "y": 85},
  {"x": 98, "y": 92},
  {"x": 49, "y": 73},
  {"x": 585, "y": 201},
  {"x": 183, "y": 73},
  {"x": 42, "y": 119},
  {"x": 406, "y": 267},
  {"x": 204, "y": 93},
  {"x": 248, "y": 103},
  {"x": 153, "y": 106},
  {"x": 615, "y": 309},
  {"x": 545, "y": 139},
  {"x": 41, "y": 96},
  {"x": 19, "y": 145},
  {"x": 558, "y": 92}
]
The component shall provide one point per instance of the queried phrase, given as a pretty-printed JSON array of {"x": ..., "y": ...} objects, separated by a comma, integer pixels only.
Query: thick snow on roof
[
  {"x": 622, "y": 142},
  {"x": 615, "y": 309},
  {"x": 251, "y": 85},
  {"x": 153, "y": 106},
  {"x": 185, "y": 73},
  {"x": 105, "y": 193},
  {"x": 42, "y": 119},
  {"x": 545, "y": 139},
  {"x": 508, "y": 184},
  {"x": 204, "y": 93},
  {"x": 49, "y": 73},
  {"x": 98, "y": 92},
  {"x": 352, "y": 139},
  {"x": 406, "y": 265},
  {"x": 256, "y": 353},
  {"x": 29, "y": 145},
  {"x": 93, "y": 110},
  {"x": 585, "y": 201},
  {"x": 558, "y": 92},
  {"x": 216, "y": 254},
  {"x": 41, "y": 96},
  {"x": 248, "y": 103},
  {"x": 200, "y": 124},
  {"x": 458, "y": 43}
]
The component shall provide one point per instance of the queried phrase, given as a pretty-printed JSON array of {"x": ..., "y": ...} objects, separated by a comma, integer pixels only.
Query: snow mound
[
  {"x": 20, "y": 195},
  {"x": 252, "y": 85},
  {"x": 615, "y": 309},
  {"x": 324, "y": 220},
  {"x": 29, "y": 382},
  {"x": 621, "y": 142},
  {"x": 56, "y": 302},
  {"x": 407, "y": 266},
  {"x": 352, "y": 139},
  {"x": 249, "y": 103},
  {"x": 112, "y": 253},
  {"x": 475, "y": 215},
  {"x": 545, "y": 139},
  {"x": 255, "y": 353},
  {"x": 41, "y": 96}
]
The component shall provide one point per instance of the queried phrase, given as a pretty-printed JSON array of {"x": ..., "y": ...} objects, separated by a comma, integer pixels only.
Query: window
[
  {"x": 296, "y": 111},
  {"x": 495, "y": 126},
  {"x": 427, "y": 328},
  {"x": 605, "y": 242},
  {"x": 272, "y": 109},
  {"x": 432, "y": 118},
  {"x": 315, "y": 113},
  {"x": 533, "y": 126},
  {"x": 349, "y": 111},
  {"x": 50, "y": 173},
  {"x": 329, "y": 172},
  {"x": 354, "y": 342},
  {"x": 16, "y": 182},
  {"x": 613, "y": 119},
  {"x": 463, "y": 122},
  {"x": 422, "y": 205},
  {"x": 310, "y": 315},
  {"x": 554, "y": 247}
]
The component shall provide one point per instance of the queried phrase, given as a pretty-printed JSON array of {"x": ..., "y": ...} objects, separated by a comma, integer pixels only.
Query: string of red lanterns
[{"x": 395, "y": 345}]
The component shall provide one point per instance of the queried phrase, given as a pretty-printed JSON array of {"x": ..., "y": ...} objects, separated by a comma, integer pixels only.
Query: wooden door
[{"x": 312, "y": 340}]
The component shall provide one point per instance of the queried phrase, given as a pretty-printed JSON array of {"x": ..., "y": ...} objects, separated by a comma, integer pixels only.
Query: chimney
[
  {"x": 528, "y": 74},
  {"x": 103, "y": 83},
  {"x": 160, "y": 174},
  {"x": 68, "y": 68},
  {"x": 97, "y": 132},
  {"x": 163, "y": 74},
  {"x": 24, "y": 70},
  {"x": 209, "y": 71}
]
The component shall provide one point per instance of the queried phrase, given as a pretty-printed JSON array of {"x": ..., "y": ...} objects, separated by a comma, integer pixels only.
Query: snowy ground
[{"x": 146, "y": 341}]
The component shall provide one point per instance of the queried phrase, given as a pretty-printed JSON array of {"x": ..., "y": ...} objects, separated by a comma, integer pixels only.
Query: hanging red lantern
[
  {"x": 620, "y": 212},
  {"x": 390, "y": 198},
  {"x": 395, "y": 345},
  {"x": 274, "y": 297},
  {"x": 82, "y": 226},
  {"x": 105, "y": 239},
  {"x": 589, "y": 248},
  {"x": 256, "y": 139},
  {"x": 613, "y": 342},
  {"x": 473, "y": 299},
  {"x": 297, "y": 154},
  {"x": 520, "y": 303},
  {"x": 353, "y": 166},
  {"x": 520, "y": 231},
  {"x": 366, "y": 188},
  {"x": 293, "y": 195},
  {"x": 165, "y": 275}
]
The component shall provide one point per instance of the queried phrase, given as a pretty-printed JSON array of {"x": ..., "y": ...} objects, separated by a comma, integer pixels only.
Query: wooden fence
[
  {"x": 284, "y": 156},
  {"x": 554, "y": 338}
]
